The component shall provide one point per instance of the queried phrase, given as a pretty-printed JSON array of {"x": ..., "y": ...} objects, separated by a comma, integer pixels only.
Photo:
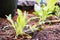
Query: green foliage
[
  {"x": 57, "y": 11},
  {"x": 32, "y": 28},
  {"x": 42, "y": 14},
  {"x": 38, "y": 1},
  {"x": 45, "y": 11},
  {"x": 20, "y": 22},
  {"x": 51, "y": 5}
]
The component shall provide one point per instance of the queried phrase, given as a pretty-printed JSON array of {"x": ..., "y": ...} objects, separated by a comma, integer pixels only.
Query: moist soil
[{"x": 50, "y": 32}]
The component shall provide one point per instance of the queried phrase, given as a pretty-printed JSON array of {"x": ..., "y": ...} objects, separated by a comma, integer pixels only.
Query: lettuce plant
[
  {"x": 45, "y": 11},
  {"x": 42, "y": 14},
  {"x": 51, "y": 7},
  {"x": 20, "y": 23}
]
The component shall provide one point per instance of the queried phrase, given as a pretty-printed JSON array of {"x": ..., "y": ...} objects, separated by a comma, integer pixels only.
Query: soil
[
  {"x": 50, "y": 33},
  {"x": 6, "y": 32}
]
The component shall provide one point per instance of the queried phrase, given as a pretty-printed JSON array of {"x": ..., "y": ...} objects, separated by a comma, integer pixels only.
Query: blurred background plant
[
  {"x": 57, "y": 11},
  {"x": 45, "y": 11}
]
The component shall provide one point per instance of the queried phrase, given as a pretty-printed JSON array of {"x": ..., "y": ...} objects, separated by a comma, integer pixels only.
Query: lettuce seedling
[
  {"x": 45, "y": 11},
  {"x": 20, "y": 22},
  {"x": 42, "y": 14}
]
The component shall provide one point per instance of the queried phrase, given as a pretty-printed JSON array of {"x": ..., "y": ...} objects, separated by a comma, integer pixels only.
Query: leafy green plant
[
  {"x": 45, "y": 11},
  {"x": 57, "y": 11},
  {"x": 51, "y": 5},
  {"x": 42, "y": 14},
  {"x": 20, "y": 23}
]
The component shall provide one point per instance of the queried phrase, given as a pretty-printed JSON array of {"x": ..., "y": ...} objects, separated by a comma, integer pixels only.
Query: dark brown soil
[
  {"x": 7, "y": 33},
  {"x": 49, "y": 33}
]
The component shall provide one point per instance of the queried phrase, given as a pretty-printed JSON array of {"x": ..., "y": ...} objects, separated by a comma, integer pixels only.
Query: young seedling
[
  {"x": 45, "y": 11},
  {"x": 42, "y": 14},
  {"x": 20, "y": 23}
]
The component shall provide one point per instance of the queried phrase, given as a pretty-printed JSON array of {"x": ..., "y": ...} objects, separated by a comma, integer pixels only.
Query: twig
[{"x": 53, "y": 21}]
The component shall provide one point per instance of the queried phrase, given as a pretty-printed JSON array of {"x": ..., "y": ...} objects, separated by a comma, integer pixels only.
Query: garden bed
[{"x": 49, "y": 29}]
